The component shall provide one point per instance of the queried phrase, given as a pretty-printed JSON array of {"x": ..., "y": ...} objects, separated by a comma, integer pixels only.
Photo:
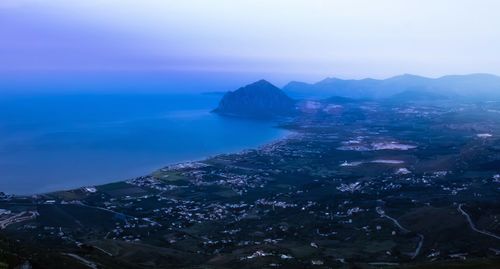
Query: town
[{"x": 365, "y": 185}]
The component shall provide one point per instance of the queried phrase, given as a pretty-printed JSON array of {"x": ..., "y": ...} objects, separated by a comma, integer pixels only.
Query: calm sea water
[{"x": 53, "y": 142}]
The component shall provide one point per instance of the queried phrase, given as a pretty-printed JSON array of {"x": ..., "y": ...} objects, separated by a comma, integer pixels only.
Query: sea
[{"x": 57, "y": 141}]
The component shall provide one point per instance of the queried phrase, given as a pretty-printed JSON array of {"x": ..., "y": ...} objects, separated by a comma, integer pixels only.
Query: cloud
[
  {"x": 341, "y": 38},
  {"x": 7, "y": 4}
]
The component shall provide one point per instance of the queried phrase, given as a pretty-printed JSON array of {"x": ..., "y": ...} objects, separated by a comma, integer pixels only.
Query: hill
[{"x": 260, "y": 99}]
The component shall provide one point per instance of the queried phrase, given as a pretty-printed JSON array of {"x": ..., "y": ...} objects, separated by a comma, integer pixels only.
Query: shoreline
[{"x": 285, "y": 136}]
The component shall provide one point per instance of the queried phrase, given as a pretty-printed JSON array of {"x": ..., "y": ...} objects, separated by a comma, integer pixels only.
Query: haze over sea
[{"x": 58, "y": 141}]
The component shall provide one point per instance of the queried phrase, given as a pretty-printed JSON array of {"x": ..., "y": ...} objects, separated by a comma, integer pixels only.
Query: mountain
[
  {"x": 473, "y": 85},
  {"x": 260, "y": 99}
]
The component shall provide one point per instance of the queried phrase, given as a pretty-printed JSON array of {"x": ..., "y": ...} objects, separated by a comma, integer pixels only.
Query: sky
[{"x": 199, "y": 45}]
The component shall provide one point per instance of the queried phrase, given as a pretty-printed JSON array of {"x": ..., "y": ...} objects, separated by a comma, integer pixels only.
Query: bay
[{"x": 59, "y": 141}]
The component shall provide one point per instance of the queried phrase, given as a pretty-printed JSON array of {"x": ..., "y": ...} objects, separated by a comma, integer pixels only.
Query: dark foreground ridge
[{"x": 260, "y": 99}]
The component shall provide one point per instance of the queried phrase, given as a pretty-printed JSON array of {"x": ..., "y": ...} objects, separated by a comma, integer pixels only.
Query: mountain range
[
  {"x": 473, "y": 85},
  {"x": 262, "y": 99}
]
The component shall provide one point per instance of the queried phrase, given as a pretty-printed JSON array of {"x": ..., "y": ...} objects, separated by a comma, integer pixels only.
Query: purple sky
[{"x": 220, "y": 45}]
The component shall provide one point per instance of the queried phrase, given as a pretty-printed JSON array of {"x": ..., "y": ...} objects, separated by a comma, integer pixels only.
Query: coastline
[
  {"x": 106, "y": 145},
  {"x": 286, "y": 134},
  {"x": 292, "y": 189}
]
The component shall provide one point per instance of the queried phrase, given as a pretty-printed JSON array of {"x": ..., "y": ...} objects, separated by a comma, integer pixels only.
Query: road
[
  {"x": 23, "y": 216},
  {"x": 381, "y": 212},
  {"x": 84, "y": 261},
  {"x": 472, "y": 226}
]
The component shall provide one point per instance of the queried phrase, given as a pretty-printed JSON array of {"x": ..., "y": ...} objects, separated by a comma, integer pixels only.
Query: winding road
[
  {"x": 20, "y": 217},
  {"x": 381, "y": 212},
  {"x": 472, "y": 226}
]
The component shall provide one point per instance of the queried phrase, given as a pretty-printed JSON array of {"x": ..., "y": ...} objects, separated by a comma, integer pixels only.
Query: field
[{"x": 371, "y": 185}]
